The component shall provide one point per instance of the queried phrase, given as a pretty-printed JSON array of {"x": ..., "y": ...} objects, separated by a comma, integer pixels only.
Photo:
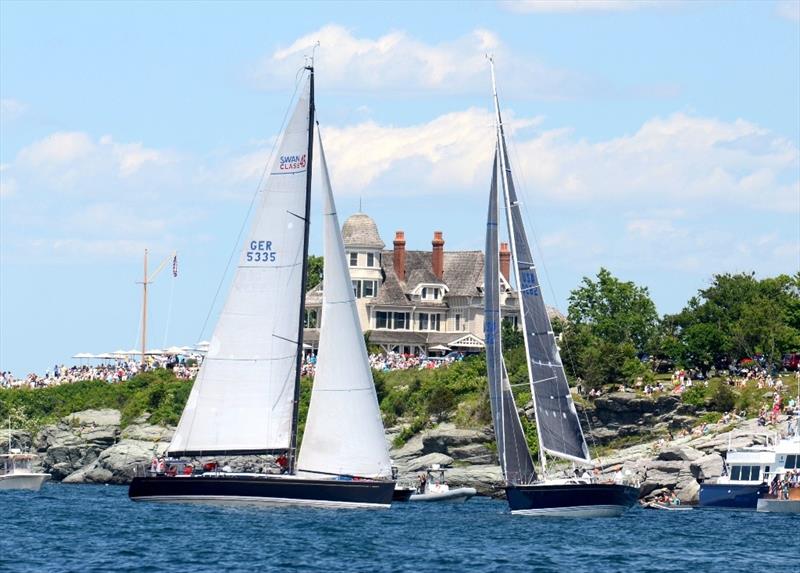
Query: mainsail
[
  {"x": 344, "y": 432},
  {"x": 242, "y": 399},
  {"x": 512, "y": 448},
  {"x": 557, "y": 421}
]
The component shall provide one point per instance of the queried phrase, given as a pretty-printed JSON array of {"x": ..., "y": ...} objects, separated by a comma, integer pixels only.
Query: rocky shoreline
[{"x": 92, "y": 447}]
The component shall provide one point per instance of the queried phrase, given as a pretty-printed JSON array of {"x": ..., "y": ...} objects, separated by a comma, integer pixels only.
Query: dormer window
[
  {"x": 353, "y": 259},
  {"x": 431, "y": 293}
]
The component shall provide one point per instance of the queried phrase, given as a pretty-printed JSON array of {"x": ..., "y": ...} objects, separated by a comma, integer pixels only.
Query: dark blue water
[{"x": 96, "y": 528}]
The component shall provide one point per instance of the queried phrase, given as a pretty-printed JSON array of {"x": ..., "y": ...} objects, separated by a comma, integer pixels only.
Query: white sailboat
[
  {"x": 558, "y": 427},
  {"x": 246, "y": 396}
]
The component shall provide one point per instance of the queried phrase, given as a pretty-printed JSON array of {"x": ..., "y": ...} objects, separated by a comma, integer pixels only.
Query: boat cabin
[
  {"x": 761, "y": 463},
  {"x": 16, "y": 462}
]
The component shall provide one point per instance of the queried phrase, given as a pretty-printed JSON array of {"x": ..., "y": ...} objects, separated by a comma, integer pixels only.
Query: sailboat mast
[
  {"x": 296, "y": 404},
  {"x": 144, "y": 306},
  {"x": 504, "y": 169}
]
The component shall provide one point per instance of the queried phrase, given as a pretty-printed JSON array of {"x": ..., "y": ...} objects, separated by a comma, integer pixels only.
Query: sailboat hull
[
  {"x": 571, "y": 500},
  {"x": 260, "y": 489}
]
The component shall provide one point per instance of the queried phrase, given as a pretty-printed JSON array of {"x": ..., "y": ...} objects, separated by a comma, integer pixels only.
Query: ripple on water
[{"x": 96, "y": 528}]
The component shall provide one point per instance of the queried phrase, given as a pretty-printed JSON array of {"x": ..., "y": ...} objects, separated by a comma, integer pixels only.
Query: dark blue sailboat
[{"x": 558, "y": 427}]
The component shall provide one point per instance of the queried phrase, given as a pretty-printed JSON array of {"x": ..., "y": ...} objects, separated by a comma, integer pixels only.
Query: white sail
[
  {"x": 242, "y": 398},
  {"x": 344, "y": 432}
]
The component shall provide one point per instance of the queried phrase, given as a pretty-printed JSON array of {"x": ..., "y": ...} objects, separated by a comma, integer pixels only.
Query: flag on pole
[{"x": 175, "y": 266}]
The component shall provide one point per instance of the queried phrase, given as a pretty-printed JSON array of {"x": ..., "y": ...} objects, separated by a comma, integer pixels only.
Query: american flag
[{"x": 175, "y": 266}]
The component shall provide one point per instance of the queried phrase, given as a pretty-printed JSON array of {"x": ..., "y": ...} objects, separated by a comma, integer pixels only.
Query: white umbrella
[
  {"x": 174, "y": 350},
  {"x": 84, "y": 355},
  {"x": 119, "y": 353},
  {"x": 154, "y": 352}
]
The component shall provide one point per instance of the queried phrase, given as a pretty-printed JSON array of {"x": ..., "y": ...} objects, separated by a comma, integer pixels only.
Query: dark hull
[
  {"x": 402, "y": 494},
  {"x": 263, "y": 490},
  {"x": 571, "y": 500},
  {"x": 731, "y": 496}
]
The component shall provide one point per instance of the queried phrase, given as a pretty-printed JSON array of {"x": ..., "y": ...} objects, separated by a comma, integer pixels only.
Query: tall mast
[
  {"x": 505, "y": 169},
  {"x": 296, "y": 404},
  {"x": 144, "y": 306}
]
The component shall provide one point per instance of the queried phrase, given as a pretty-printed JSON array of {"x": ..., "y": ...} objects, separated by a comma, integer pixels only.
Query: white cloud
[
  {"x": 11, "y": 109},
  {"x": 788, "y": 9},
  {"x": 448, "y": 153},
  {"x": 667, "y": 164},
  {"x": 523, "y": 6},
  {"x": 396, "y": 63}
]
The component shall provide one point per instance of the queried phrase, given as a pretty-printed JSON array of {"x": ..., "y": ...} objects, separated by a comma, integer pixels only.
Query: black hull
[
  {"x": 402, "y": 494},
  {"x": 571, "y": 500},
  {"x": 263, "y": 490},
  {"x": 732, "y": 496}
]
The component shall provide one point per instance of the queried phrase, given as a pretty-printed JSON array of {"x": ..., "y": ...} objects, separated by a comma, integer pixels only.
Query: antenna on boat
[{"x": 310, "y": 59}]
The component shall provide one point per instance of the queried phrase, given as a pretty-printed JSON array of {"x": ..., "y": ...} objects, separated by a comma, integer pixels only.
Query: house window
[
  {"x": 369, "y": 289},
  {"x": 381, "y": 319},
  {"x": 357, "y": 289},
  {"x": 429, "y": 321},
  {"x": 458, "y": 322},
  {"x": 311, "y": 318},
  {"x": 353, "y": 259},
  {"x": 430, "y": 293},
  {"x": 400, "y": 321},
  {"x": 370, "y": 260}
]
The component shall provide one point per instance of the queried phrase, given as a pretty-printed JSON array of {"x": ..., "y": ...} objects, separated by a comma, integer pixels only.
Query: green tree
[
  {"x": 616, "y": 311},
  {"x": 315, "y": 268},
  {"x": 610, "y": 324}
]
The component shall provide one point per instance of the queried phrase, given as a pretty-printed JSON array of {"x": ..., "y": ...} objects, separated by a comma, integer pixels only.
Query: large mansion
[{"x": 414, "y": 301}]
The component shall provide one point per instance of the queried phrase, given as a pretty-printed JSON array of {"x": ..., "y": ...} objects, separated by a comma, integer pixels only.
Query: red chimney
[
  {"x": 505, "y": 260},
  {"x": 437, "y": 260},
  {"x": 400, "y": 255}
]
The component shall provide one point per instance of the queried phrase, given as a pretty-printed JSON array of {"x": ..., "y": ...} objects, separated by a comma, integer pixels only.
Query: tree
[
  {"x": 610, "y": 324},
  {"x": 616, "y": 311},
  {"x": 315, "y": 268},
  {"x": 739, "y": 316}
]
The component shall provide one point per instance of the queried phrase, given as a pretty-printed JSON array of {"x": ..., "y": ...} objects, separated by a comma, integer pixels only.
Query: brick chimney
[
  {"x": 505, "y": 260},
  {"x": 399, "y": 256},
  {"x": 437, "y": 260}
]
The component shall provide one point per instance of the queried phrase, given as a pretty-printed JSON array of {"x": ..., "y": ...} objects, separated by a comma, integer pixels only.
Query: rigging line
[
  {"x": 169, "y": 312},
  {"x": 236, "y": 244}
]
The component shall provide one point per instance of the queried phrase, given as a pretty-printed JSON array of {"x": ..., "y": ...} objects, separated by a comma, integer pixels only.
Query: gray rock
[
  {"x": 707, "y": 467},
  {"x": 117, "y": 464},
  {"x": 104, "y": 417},
  {"x": 426, "y": 461},
  {"x": 479, "y": 454},
  {"x": 487, "y": 479},
  {"x": 147, "y": 433},
  {"x": 679, "y": 453},
  {"x": 20, "y": 439}
]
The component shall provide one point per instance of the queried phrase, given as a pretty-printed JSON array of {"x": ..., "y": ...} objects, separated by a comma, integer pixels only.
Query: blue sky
[{"x": 657, "y": 139}]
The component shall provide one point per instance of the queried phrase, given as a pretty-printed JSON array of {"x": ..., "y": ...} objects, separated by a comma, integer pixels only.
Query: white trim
[
  {"x": 575, "y": 511},
  {"x": 257, "y": 500}
]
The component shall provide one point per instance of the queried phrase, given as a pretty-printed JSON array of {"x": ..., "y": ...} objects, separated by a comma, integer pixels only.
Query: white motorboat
[
  {"x": 17, "y": 472},
  {"x": 433, "y": 488}
]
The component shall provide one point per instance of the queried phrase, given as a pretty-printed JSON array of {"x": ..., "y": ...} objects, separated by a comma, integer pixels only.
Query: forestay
[
  {"x": 512, "y": 448},
  {"x": 344, "y": 432},
  {"x": 242, "y": 398}
]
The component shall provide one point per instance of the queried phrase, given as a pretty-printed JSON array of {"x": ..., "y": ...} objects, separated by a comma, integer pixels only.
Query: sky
[{"x": 656, "y": 139}]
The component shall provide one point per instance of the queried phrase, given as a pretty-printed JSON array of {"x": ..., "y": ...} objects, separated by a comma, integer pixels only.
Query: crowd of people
[
  {"x": 779, "y": 486},
  {"x": 117, "y": 371},
  {"x": 123, "y": 369},
  {"x": 391, "y": 361}
]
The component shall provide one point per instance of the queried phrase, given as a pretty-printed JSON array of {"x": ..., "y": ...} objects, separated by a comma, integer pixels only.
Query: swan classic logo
[{"x": 292, "y": 163}]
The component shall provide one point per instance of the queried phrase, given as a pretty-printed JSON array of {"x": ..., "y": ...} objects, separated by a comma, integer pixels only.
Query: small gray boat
[{"x": 432, "y": 487}]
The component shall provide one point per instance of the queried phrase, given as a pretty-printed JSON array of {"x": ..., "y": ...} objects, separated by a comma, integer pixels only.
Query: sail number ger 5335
[{"x": 260, "y": 252}]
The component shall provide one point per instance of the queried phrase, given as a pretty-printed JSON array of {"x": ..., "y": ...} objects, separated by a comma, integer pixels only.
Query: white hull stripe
[
  {"x": 576, "y": 511},
  {"x": 256, "y": 500}
]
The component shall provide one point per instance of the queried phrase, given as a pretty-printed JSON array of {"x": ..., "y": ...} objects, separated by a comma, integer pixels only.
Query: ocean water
[{"x": 96, "y": 528}]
